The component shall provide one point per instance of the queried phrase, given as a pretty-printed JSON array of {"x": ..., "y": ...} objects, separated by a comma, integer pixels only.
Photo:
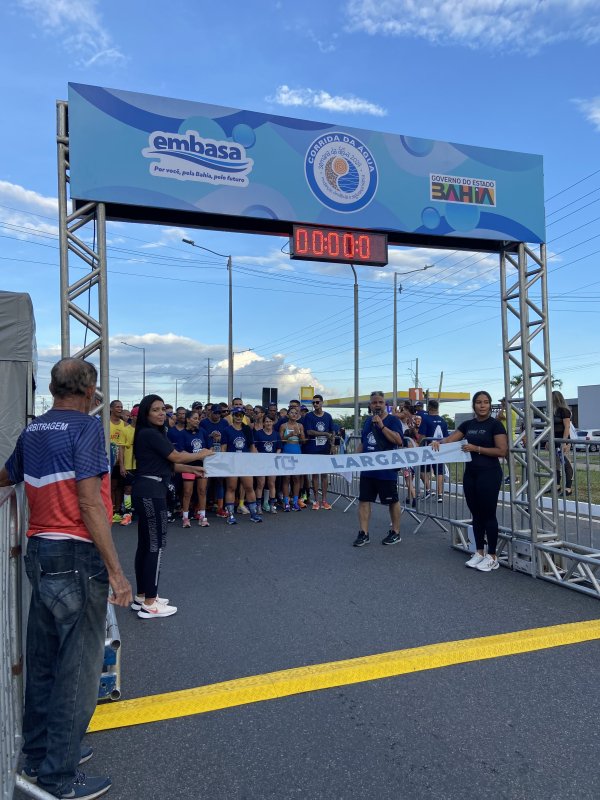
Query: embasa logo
[{"x": 190, "y": 157}]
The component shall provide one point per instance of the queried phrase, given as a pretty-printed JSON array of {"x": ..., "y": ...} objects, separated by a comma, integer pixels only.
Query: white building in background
[{"x": 589, "y": 406}]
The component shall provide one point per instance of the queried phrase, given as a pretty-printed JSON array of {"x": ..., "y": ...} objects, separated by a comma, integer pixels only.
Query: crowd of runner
[{"x": 221, "y": 427}]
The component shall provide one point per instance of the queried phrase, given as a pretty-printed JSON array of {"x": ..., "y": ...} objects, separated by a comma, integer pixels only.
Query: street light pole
[
  {"x": 143, "y": 349},
  {"x": 398, "y": 290},
  {"x": 192, "y": 243},
  {"x": 230, "y": 339}
]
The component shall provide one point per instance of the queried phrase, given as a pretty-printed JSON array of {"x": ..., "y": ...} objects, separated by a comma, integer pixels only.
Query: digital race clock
[{"x": 345, "y": 246}]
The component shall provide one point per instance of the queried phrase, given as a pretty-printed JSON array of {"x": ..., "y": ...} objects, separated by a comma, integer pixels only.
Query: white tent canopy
[{"x": 18, "y": 364}]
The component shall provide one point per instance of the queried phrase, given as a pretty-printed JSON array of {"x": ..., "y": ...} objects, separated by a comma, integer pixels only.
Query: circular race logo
[{"x": 341, "y": 172}]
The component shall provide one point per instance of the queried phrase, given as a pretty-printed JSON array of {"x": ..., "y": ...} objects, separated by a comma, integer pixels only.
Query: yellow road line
[{"x": 288, "y": 682}]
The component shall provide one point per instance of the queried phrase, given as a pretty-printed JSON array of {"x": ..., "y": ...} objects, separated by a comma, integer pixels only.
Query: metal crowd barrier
[
  {"x": 569, "y": 556},
  {"x": 110, "y": 679},
  {"x": 11, "y": 641}
]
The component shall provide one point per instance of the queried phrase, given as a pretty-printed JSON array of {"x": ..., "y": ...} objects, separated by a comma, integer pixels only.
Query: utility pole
[
  {"x": 192, "y": 243},
  {"x": 230, "y": 340},
  {"x": 208, "y": 387}
]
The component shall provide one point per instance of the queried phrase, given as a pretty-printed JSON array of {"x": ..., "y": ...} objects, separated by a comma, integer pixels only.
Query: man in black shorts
[{"x": 381, "y": 431}]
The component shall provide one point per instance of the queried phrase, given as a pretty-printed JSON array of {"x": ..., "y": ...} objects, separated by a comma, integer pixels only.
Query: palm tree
[{"x": 517, "y": 382}]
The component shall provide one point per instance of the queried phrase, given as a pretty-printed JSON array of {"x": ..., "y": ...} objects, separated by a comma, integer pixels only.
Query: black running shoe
[
  {"x": 361, "y": 539},
  {"x": 391, "y": 538}
]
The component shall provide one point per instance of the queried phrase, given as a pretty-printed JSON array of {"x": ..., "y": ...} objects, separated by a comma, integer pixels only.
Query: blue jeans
[{"x": 66, "y": 630}]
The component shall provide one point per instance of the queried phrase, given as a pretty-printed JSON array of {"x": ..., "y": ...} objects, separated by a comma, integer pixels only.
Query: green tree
[
  {"x": 346, "y": 421},
  {"x": 517, "y": 382}
]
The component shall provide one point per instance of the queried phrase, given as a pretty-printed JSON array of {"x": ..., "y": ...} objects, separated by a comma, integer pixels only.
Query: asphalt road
[{"x": 292, "y": 592}]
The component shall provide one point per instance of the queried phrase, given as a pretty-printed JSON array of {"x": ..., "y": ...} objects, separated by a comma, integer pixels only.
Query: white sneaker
[
  {"x": 138, "y": 602},
  {"x": 243, "y": 509},
  {"x": 156, "y": 610},
  {"x": 474, "y": 560},
  {"x": 487, "y": 564}
]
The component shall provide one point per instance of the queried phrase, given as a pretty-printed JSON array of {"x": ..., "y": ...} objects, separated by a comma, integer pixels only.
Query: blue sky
[{"x": 508, "y": 74}]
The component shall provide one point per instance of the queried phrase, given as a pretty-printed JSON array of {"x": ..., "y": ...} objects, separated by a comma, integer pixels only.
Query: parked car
[{"x": 592, "y": 438}]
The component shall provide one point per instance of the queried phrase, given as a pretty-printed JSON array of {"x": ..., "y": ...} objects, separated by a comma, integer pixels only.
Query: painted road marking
[{"x": 284, "y": 683}]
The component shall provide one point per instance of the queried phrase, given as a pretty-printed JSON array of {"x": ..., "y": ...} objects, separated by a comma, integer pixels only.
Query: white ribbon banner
[{"x": 226, "y": 465}]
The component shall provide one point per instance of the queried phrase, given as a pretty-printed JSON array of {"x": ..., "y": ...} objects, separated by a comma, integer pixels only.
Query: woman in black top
[
  {"x": 486, "y": 440},
  {"x": 156, "y": 459},
  {"x": 562, "y": 430}
]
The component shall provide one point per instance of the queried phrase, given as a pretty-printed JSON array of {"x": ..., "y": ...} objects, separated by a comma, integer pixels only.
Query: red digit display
[
  {"x": 317, "y": 242},
  {"x": 349, "y": 246},
  {"x": 364, "y": 247},
  {"x": 301, "y": 241},
  {"x": 345, "y": 246},
  {"x": 333, "y": 244}
]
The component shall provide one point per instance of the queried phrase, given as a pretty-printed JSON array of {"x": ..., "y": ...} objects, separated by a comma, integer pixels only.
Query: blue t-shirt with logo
[
  {"x": 370, "y": 444},
  {"x": 321, "y": 424},
  {"x": 267, "y": 442},
  {"x": 208, "y": 427},
  {"x": 434, "y": 427},
  {"x": 193, "y": 441},
  {"x": 237, "y": 441}
]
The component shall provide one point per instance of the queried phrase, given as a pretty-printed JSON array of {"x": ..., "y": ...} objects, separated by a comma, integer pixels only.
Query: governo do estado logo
[{"x": 341, "y": 172}]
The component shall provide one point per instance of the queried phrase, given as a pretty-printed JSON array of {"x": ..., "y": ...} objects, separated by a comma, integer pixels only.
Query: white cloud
[
  {"x": 12, "y": 194},
  {"x": 81, "y": 27},
  {"x": 171, "y": 357},
  {"x": 319, "y": 98},
  {"x": 168, "y": 237},
  {"x": 17, "y": 205},
  {"x": 590, "y": 109},
  {"x": 324, "y": 46},
  {"x": 506, "y": 24}
]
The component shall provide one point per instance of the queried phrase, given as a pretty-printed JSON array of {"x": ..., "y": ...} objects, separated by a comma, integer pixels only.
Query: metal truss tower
[
  {"x": 534, "y": 504},
  {"x": 75, "y": 253},
  {"x": 526, "y": 350}
]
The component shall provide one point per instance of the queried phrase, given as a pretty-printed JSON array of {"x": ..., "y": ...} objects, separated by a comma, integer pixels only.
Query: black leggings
[
  {"x": 481, "y": 488},
  {"x": 152, "y": 539},
  {"x": 563, "y": 460}
]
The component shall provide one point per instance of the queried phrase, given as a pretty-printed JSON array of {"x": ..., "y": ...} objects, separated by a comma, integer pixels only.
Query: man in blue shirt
[
  {"x": 433, "y": 427},
  {"x": 381, "y": 431},
  {"x": 319, "y": 431},
  {"x": 214, "y": 427}
]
